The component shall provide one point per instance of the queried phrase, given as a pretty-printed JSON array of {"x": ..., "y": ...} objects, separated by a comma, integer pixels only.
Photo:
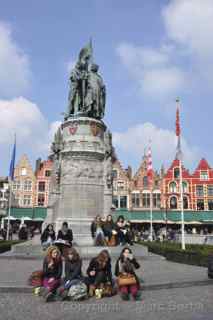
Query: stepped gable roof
[
  {"x": 169, "y": 172},
  {"x": 203, "y": 166},
  {"x": 142, "y": 168},
  {"x": 122, "y": 172}
]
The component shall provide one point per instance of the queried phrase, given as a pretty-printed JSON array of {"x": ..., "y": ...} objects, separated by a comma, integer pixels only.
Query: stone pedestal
[{"x": 81, "y": 183}]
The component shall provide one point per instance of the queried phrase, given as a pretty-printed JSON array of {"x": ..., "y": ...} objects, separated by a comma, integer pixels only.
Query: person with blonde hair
[{"x": 52, "y": 271}]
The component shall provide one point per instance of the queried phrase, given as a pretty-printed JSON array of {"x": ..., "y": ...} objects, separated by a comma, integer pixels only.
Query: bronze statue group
[{"x": 98, "y": 281}]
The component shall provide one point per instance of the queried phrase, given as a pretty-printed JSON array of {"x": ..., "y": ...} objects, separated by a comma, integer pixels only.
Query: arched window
[
  {"x": 185, "y": 187},
  {"x": 185, "y": 203},
  {"x": 172, "y": 187},
  {"x": 173, "y": 203}
]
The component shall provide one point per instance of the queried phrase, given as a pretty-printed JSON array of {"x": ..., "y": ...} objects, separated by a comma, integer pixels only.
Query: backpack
[
  {"x": 78, "y": 291},
  {"x": 36, "y": 278}
]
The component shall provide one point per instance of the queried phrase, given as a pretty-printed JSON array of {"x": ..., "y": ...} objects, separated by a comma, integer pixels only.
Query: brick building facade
[{"x": 42, "y": 174}]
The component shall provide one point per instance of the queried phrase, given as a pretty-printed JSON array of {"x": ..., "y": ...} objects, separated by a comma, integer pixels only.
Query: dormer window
[
  {"x": 176, "y": 173},
  {"x": 204, "y": 175}
]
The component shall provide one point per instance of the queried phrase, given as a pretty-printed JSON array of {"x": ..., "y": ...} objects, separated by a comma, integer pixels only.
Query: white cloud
[
  {"x": 153, "y": 70},
  {"x": 135, "y": 139},
  {"x": 34, "y": 133},
  {"x": 14, "y": 65},
  {"x": 190, "y": 23},
  {"x": 21, "y": 116}
]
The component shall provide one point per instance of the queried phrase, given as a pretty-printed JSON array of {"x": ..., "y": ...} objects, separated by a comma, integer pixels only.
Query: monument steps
[{"x": 30, "y": 250}]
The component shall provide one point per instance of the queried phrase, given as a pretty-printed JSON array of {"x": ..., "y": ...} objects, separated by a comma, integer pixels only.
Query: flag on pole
[
  {"x": 177, "y": 119},
  {"x": 178, "y": 131},
  {"x": 12, "y": 162},
  {"x": 149, "y": 167}
]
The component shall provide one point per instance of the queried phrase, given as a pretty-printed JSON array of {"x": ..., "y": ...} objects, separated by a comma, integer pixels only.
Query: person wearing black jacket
[
  {"x": 23, "y": 233},
  {"x": 97, "y": 231},
  {"x": 48, "y": 236},
  {"x": 73, "y": 273},
  {"x": 99, "y": 272},
  {"x": 52, "y": 271},
  {"x": 126, "y": 265},
  {"x": 65, "y": 234},
  {"x": 109, "y": 228}
]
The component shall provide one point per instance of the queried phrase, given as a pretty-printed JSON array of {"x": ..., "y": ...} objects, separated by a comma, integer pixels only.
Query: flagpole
[
  {"x": 150, "y": 183},
  {"x": 179, "y": 157},
  {"x": 182, "y": 209},
  {"x": 151, "y": 215},
  {"x": 9, "y": 209},
  {"x": 11, "y": 178}
]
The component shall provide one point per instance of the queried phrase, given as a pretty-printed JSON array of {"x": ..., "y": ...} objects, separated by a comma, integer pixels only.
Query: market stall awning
[
  {"x": 35, "y": 214},
  {"x": 161, "y": 216}
]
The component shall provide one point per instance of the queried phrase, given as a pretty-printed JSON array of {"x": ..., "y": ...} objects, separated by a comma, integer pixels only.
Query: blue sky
[{"x": 149, "y": 53}]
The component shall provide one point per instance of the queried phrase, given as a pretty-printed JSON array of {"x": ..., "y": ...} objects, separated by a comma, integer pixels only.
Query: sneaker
[
  {"x": 125, "y": 296},
  {"x": 91, "y": 291}
]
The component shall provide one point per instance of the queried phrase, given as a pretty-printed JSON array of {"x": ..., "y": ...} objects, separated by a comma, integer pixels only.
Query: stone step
[{"x": 30, "y": 249}]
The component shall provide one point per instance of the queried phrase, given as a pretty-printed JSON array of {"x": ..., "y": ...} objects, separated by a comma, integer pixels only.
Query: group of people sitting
[
  {"x": 98, "y": 279},
  {"x": 108, "y": 232},
  {"x": 48, "y": 236}
]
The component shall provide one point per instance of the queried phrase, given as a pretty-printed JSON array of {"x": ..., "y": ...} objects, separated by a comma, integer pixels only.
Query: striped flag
[
  {"x": 178, "y": 131},
  {"x": 177, "y": 119},
  {"x": 149, "y": 167},
  {"x": 12, "y": 162}
]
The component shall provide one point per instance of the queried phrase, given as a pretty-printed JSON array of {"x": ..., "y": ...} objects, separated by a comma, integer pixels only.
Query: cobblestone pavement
[
  {"x": 157, "y": 271},
  {"x": 193, "y": 303}
]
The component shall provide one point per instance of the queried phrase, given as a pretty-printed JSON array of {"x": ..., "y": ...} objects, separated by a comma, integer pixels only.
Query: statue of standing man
[{"x": 87, "y": 96}]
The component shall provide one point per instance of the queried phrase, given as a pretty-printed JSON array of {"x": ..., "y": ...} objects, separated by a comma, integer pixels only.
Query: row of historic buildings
[
  {"x": 133, "y": 191},
  {"x": 130, "y": 191},
  {"x": 31, "y": 185}
]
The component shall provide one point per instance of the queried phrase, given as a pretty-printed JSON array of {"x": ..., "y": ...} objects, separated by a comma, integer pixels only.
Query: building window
[
  {"x": 204, "y": 175},
  {"x": 136, "y": 200},
  {"x": 210, "y": 205},
  {"x": 156, "y": 183},
  {"x": 41, "y": 200},
  {"x": 27, "y": 185},
  {"x": 123, "y": 202},
  {"x": 16, "y": 185},
  {"x": 173, "y": 187},
  {"x": 146, "y": 200},
  {"x": 115, "y": 201},
  {"x": 41, "y": 186},
  {"x": 185, "y": 203},
  {"x": 185, "y": 187},
  {"x": 114, "y": 174},
  {"x": 173, "y": 203},
  {"x": 145, "y": 182},
  {"x": 23, "y": 171},
  {"x": 47, "y": 173},
  {"x": 199, "y": 191},
  {"x": 210, "y": 190},
  {"x": 27, "y": 200},
  {"x": 156, "y": 200},
  {"x": 200, "y": 204},
  {"x": 176, "y": 173},
  {"x": 120, "y": 185}
]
